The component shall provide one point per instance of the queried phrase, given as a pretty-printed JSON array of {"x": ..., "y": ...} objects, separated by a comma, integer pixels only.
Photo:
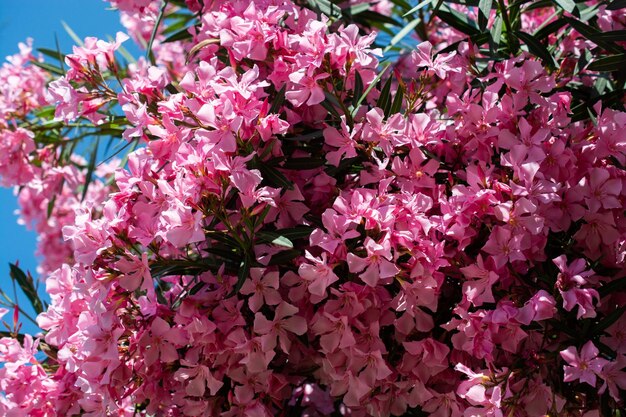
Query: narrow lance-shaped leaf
[
  {"x": 52, "y": 54},
  {"x": 358, "y": 87},
  {"x": 48, "y": 67},
  {"x": 155, "y": 29},
  {"x": 419, "y": 6},
  {"x": 182, "y": 34},
  {"x": 278, "y": 101},
  {"x": 484, "y": 10},
  {"x": 567, "y": 5},
  {"x": 402, "y": 33},
  {"x": 458, "y": 21},
  {"x": 397, "y": 101},
  {"x": 593, "y": 35},
  {"x": 273, "y": 175},
  {"x": 325, "y": 7},
  {"x": 609, "y": 63},
  {"x": 369, "y": 88},
  {"x": 616, "y": 5},
  {"x": 612, "y": 36},
  {"x": 610, "y": 318},
  {"x": 90, "y": 169},
  {"x": 72, "y": 34},
  {"x": 275, "y": 238},
  {"x": 549, "y": 29},
  {"x": 384, "y": 100},
  {"x": 27, "y": 285},
  {"x": 242, "y": 275},
  {"x": 536, "y": 48}
]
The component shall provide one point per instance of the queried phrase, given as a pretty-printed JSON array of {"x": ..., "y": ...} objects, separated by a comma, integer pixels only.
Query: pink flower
[
  {"x": 160, "y": 342},
  {"x": 376, "y": 264},
  {"x": 423, "y": 57},
  {"x": 197, "y": 378},
  {"x": 319, "y": 273},
  {"x": 185, "y": 226},
  {"x": 477, "y": 289},
  {"x": 335, "y": 332},
  {"x": 614, "y": 377},
  {"x": 583, "y": 367},
  {"x": 541, "y": 306},
  {"x": 504, "y": 247},
  {"x": 569, "y": 281},
  {"x": 600, "y": 190},
  {"x": 263, "y": 288},
  {"x": 345, "y": 141},
  {"x": 305, "y": 89},
  {"x": 284, "y": 321},
  {"x": 135, "y": 273}
]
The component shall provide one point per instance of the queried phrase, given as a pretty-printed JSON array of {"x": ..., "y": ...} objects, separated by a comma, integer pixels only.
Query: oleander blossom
[{"x": 290, "y": 228}]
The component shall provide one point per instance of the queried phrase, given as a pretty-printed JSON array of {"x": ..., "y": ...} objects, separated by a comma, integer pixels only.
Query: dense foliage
[{"x": 323, "y": 208}]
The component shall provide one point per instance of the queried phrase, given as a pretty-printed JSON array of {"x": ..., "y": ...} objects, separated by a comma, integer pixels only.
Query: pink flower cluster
[{"x": 278, "y": 246}]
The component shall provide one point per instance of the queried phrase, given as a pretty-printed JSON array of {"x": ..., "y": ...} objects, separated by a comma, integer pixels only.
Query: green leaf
[
  {"x": 51, "y": 206},
  {"x": 495, "y": 35},
  {"x": 358, "y": 87},
  {"x": 356, "y": 9},
  {"x": 197, "y": 47},
  {"x": 612, "y": 36},
  {"x": 402, "y": 33},
  {"x": 384, "y": 100},
  {"x": 155, "y": 29},
  {"x": 536, "y": 48},
  {"x": 278, "y": 101},
  {"x": 90, "y": 168},
  {"x": 27, "y": 285},
  {"x": 369, "y": 88},
  {"x": 52, "y": 53},
  {"x": 72, "y": 34},
  {"x": 616, "y": 5},
  {"x": 222, "y": 237},
  {"x": 328, "y": 105},
  {"x": 275, "y": 238},
  {"x": 306, "y": 137},
  {"x": 608, "y": 320},
  {"x": 458, "y": 21},
  {"x": 592, "y": 34},
  {"x": 484, "y": 10},
  {"x": 167, "y": 267},
  {"x": 567, "y": 5},
  {"x": 401, "y": 3},
  {"x": 298, "y": 232},
  {"x": 284, "y": 237},
  {"x": 549, "y": 29},
  {"x": 397, "y": 101},
  {"x": 419, "y": 6},
  {"x": 371, "y": 16},
  {"x": 609, "y": 63},
  {"x": 304, "y": 163},
  {"x": 48, "y": 67},
  {"x": 612, "y": 287},
  {"x": 325, "y": 7},
  {"x": 284, "y": 257},
  {"x": 180, "y": 22},
  {"x": 242, "y": 275},
  {"x": 181, "y": 35},
  {"x": 273, "y": 176}
]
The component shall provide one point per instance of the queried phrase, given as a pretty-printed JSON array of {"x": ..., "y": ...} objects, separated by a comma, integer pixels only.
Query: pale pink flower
[{"x": 584, "y": 366}]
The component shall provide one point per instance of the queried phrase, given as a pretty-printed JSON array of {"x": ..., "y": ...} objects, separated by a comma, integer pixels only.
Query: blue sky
[{"x": 40, "y": 20}]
